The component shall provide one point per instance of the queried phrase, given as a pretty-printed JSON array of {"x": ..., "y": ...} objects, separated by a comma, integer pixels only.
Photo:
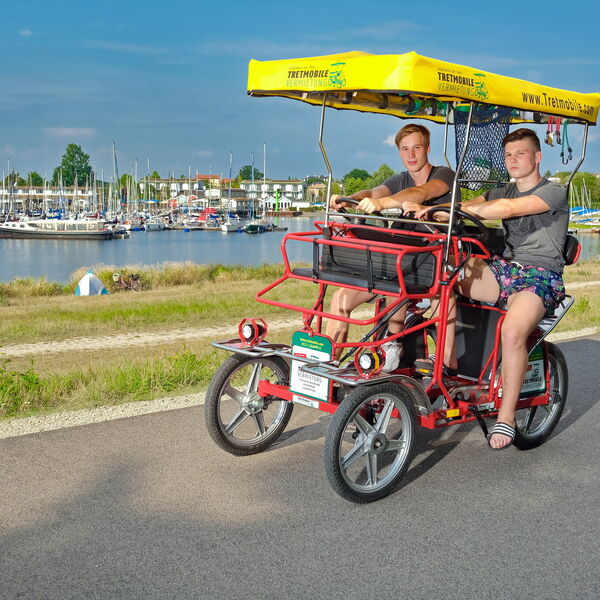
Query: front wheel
[
  {"x": 136, "y": 285},
  {"x": 536, "y": 423},
  {"x": 239, "y": 420},
  {"x": 370, "y": 442}
]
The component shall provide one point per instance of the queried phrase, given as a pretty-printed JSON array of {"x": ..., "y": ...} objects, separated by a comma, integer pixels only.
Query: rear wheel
[
  {"x": 237, "y": 418},
  {"x": 536, "y": 423},
  {"x": 370, "y": 442}
]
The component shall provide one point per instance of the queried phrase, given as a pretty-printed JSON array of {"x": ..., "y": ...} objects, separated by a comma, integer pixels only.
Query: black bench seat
[{"x": 365, "y": 263}]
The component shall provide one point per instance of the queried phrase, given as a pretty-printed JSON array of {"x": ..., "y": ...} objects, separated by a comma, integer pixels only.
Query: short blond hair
[{"x": 410, "y": 129}]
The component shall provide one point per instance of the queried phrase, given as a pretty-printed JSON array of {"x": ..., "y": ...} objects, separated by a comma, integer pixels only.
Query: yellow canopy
[{"x": 409, "y": 85}]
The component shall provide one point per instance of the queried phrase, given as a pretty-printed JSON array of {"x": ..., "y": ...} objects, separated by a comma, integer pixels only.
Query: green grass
[
  {"x": 26, "y": 392},
  {"x": 38, "y": 310}
]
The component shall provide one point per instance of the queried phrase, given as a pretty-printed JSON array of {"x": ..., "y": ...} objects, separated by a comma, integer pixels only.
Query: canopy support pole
[
  {"x": 448, "y": 106},
  {"x": 324, "y": 153},
  {"x": 583, "y": 147},
  {"x": 455, "y": 190}
]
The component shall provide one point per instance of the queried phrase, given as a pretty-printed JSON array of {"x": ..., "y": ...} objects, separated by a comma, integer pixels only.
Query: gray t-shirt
[
  {"x": 404, "y": 180},
  {"x": 536, "y": 239}
]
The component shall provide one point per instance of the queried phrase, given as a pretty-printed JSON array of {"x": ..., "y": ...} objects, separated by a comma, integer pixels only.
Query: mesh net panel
[{"x": 485, "y": 156}]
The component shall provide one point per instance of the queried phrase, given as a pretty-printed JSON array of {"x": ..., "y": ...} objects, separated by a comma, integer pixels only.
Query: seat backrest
[{"x": 572, "y": 250}]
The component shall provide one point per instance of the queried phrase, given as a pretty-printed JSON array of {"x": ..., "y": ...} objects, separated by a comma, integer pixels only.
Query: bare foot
[{"x": 502, "y": 438}]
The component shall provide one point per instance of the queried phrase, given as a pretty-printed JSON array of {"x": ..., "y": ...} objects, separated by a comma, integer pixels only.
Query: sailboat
[
  {"x": 228, "y": 226},
  {"x": 261, "y": 224}
]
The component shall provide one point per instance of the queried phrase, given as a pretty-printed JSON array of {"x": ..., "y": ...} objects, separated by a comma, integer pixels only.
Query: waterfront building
[{"x": 291, "y": 188}]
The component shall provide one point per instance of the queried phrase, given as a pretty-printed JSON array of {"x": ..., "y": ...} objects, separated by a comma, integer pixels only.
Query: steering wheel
[
  {"x": 353, "y": 218},
  {"x": 482, "y": 233}
]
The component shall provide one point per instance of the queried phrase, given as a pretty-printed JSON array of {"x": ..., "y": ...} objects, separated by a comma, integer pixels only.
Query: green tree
[
  {"x": 15, "y": 179},
  {"x": 384, "y": 172},
  {"x": 353, "y": 184},
  {"x": 75, "y": 163},
  {"x": 246, "y": 173},
  {"x": 315, "y": 179},
  {"x": 357, "y": 174},
  {"x": 35, "y": 178}
]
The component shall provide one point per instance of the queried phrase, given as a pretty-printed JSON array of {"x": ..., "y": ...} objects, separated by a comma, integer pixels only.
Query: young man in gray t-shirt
[
  {"x": 528, "y": 276},
  {"x": 422, "y": 184}
]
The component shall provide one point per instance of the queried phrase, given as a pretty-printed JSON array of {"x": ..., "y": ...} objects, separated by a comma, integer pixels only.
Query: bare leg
[
  {"x": 479, "y": 283},
  {"x": 343, "y": 302},
  {"x": 525, "y": 310},
  {"x": 396, "y": 323}
]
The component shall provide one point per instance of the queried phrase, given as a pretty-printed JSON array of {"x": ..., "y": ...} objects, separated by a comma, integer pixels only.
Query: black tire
[
  {"x": 367, "y": 452},
  {"x": 238, "y": 420},
  {"x": 136, "y": 285},
  {"x": 535, "y": 424}
]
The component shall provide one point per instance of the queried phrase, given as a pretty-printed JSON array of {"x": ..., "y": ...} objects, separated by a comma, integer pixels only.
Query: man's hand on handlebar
[
  {"x": 366, "y": 205},
  {"x": 442, "y": 217},
  {"x": 337, "y": 201},
  {"x": 370, "y": 205}
]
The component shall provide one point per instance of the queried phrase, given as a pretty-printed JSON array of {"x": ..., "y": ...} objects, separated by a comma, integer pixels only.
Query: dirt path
[{"x": 124, "y": 340}]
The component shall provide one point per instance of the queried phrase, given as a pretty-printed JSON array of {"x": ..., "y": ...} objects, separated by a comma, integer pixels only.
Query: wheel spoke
[
  {"x": 529, "y": 418},
  {"x": 394, "y": 445},
  {"x": 371, "y": 459},
  {"x": 363, "y": 425},
  {"x": 384, "y": 417},
  {"x": 351, "y": 457},
  {"x": 254, "y": 378},
  {"x": 237, "y": 421},
  {"x": 236, "y": 395},
  {"x": 260, "y": 422}
]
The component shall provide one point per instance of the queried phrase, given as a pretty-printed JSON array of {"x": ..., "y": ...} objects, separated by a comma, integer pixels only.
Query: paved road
[{"x": 148, "y": 507}]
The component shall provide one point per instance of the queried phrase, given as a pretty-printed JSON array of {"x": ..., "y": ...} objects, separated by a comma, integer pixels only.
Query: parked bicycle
[{"x": 128, "y": 282}]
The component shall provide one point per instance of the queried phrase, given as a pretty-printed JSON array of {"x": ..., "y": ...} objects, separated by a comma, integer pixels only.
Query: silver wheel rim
[
  {"x": 373, "y": 450},
  {"x": 244, "y": 417}
]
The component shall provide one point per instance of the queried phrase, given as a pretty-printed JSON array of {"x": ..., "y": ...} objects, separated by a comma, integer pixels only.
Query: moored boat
[{"x": 77, "y": 229}]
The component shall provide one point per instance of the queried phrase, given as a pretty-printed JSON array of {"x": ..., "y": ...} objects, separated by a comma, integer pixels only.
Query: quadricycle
[{"x": 406, "y": 265}]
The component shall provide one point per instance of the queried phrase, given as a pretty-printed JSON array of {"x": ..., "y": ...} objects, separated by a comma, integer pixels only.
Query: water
[{"x": 57, "y": 259}]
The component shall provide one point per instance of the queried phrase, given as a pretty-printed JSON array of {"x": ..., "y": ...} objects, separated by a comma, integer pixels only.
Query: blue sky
[{"x": 167, "y": 80}]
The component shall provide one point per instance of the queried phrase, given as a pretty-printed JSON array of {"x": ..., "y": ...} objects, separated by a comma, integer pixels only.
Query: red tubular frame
[{"x": 458, "y": 410}]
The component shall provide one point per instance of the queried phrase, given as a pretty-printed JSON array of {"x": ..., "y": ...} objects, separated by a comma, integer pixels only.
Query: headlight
[
  {"x": 252, "y": 331},
  {"x": 369, "y": 361}
]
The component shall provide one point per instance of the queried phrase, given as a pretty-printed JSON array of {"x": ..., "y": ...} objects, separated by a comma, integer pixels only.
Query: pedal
[{"x": 424, "y": 366}]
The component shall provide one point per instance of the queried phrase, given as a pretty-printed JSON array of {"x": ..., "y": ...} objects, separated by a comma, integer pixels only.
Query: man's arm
[
  {"x": 380, "y": 191},
  {"x": 505, "y": 208},
  {"x": 408, "y": 200}
]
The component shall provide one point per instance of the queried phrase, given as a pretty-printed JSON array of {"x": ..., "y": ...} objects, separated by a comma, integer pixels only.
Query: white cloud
[
  {"x": 204, "y": 153},
  {"x": 25, "y": 32},
  {"x": 389, "y": 140},
  {"x": 62, "y": 132}
]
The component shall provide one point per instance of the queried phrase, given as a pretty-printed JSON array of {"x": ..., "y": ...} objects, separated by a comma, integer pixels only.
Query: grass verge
[{"x": 37, "y": 311}]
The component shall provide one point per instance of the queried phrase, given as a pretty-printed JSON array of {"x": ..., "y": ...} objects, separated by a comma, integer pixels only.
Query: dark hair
[
  {"x": 410, "y": 129},
  {"x": 521, "y": 134}
]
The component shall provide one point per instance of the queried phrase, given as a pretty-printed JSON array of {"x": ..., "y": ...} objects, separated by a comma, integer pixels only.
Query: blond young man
[{"x": 422, "y": 184}]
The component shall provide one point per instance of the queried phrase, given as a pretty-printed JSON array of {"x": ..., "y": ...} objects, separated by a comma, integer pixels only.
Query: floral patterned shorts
[{"x": 513, "y": 277}]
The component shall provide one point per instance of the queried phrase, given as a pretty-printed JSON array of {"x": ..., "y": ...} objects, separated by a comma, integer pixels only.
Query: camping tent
[{"x": 90, "y": 285}]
